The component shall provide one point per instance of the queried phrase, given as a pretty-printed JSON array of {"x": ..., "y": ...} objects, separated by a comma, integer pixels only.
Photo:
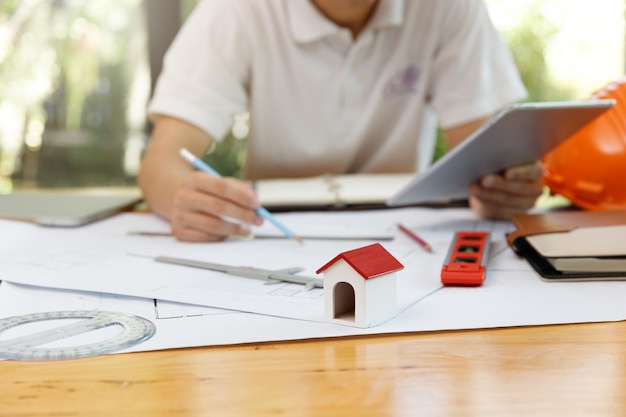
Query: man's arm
[
  {"x": 498, "y": 195},
  {"x": 457, "y": 134},
  {"x": 199, "y": 207},
  {"x": 162, "y": 169}
]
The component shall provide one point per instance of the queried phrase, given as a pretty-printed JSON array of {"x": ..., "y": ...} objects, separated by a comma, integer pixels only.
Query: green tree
[{"x": 528, "y": 42}]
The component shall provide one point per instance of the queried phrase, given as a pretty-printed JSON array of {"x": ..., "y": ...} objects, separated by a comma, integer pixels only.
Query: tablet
[
  {"x": 66, "y": 208},
  {"x": 520, "y": 134}
]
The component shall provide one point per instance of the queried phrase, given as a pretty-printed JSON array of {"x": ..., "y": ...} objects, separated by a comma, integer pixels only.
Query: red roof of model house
[{"x": 369, "y": 261}]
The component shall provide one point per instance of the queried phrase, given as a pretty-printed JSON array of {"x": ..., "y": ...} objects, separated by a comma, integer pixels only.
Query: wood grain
[{"x": 566, "y": 370}]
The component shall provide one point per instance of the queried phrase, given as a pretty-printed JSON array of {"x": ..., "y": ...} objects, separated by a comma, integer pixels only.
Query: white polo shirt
[{"x": 321, "y": 102}]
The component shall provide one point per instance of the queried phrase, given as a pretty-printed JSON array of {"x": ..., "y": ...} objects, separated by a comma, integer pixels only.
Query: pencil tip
[{"x": 298, "y": 239}]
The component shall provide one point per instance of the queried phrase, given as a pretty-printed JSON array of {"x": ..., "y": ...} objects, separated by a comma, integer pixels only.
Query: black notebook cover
[{"x": 549, "y": 273}]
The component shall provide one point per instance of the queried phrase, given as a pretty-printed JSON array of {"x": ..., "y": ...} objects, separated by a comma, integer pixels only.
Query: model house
[{"x": 360, "y": 286}]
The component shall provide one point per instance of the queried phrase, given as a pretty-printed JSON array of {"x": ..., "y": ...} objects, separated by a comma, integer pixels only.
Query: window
[
  {"x": 565, "y": 49},
  {"x": 74, "y": 82},
  {"x": 76, "y": 75}
]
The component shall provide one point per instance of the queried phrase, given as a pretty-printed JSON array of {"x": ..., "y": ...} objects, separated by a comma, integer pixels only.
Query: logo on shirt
[{"x": 404, "y": 82}]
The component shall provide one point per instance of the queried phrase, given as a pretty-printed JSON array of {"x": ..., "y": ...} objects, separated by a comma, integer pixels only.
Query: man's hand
[
  {"x": 199, "y": 206},
  {"x": 208, "y": 208},
  {"x": 515, "y": 191}
]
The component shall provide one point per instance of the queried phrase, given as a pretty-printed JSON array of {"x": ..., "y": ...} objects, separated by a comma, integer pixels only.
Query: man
[{"x": 332, "y": 86}]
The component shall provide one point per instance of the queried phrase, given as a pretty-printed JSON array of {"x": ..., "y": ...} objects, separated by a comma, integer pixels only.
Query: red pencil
[{"x": 415, "y": 237}]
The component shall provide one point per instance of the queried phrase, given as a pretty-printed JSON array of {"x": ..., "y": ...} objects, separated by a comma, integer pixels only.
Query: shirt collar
[{"x": 308, "y": 24}]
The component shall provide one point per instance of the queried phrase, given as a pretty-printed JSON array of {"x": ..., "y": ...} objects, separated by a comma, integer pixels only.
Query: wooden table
[{"x": 564, "y": 370}]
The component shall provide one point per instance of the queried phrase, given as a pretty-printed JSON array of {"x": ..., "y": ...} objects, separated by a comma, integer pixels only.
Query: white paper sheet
[
  {"x": 100, "y": 258},
  {"x": 508, "y": 298},
  {"x": 512, "y": 295}
]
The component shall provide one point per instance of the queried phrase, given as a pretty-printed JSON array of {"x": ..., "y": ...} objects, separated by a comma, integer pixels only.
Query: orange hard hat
[{"x": 589, "y": 168}]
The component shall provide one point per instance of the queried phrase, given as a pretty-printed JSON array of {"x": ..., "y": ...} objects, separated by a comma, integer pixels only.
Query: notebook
[
  {"x": 520, "y": 134},
  {"x": 572, "y": 245},
  {"x": 66, "y": 208},
  {"x": 330, "y": 191}
]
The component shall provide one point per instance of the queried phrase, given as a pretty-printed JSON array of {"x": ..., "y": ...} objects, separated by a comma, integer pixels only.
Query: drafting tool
[
  {"x": 148, "y": 233},
  {"x": 467, "y": 258},
  {"x": 135, "y": 330},
  {"x": 261, "y": 211},
  {"x": 270, "y": 276}
]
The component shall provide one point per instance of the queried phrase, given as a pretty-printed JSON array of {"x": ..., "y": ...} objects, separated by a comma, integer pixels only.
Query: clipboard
[{"x": 520, "y": 134}]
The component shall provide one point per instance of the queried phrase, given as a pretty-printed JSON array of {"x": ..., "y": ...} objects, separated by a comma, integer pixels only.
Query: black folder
[{"x": 603, "y": 253}]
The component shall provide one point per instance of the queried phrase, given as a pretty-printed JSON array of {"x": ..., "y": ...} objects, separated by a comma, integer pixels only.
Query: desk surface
[{"x": 564, "y": 370}]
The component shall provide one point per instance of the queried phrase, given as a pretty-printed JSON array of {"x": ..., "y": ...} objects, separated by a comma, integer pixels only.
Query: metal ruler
[
  {"x": 269, "y": 276},
  {"x": 134, "y": 330}
]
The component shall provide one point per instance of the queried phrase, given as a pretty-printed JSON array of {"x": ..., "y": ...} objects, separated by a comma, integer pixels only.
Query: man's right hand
[
  {"x": 200, "y": 207},
  {"x": 207, "y": 208}
]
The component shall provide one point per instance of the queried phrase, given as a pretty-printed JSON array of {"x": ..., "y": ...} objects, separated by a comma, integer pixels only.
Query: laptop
[
  {"x": 66, "y": 208},
  {"x": 520, "y": 134}
]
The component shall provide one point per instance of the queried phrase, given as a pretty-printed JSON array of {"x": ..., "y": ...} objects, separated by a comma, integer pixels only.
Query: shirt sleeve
[
  {"x": 205, "y": 73},
  {"x": 474, "y": 72}
]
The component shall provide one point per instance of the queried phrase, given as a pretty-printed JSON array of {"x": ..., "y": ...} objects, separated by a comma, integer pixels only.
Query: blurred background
[{"x": 76, "y": 76}]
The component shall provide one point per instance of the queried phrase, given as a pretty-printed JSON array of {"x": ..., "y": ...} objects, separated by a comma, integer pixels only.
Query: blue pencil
[{"x": 261, "y": 211}]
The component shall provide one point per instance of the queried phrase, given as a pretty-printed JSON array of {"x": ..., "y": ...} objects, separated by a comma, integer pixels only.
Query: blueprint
[{"x": 98, "y": 268}]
